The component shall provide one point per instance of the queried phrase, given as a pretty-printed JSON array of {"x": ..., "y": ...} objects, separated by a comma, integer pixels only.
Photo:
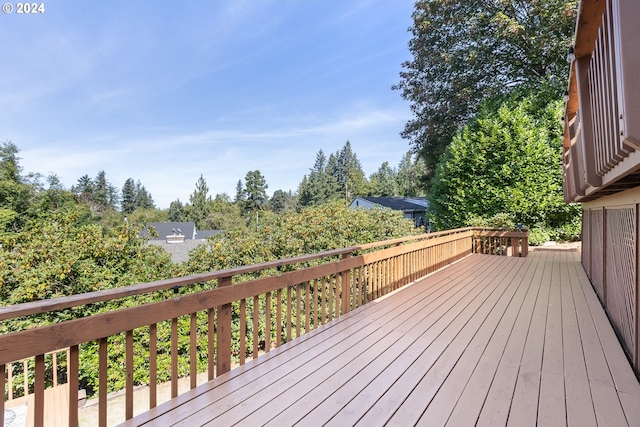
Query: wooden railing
[{"x": 268, "y": 311}]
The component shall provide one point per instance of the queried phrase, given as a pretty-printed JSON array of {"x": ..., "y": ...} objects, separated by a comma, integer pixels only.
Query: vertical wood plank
[
  {"x": 331, "y": 287},
  {"x": 289, "y": 314},
  {"x": 54, "y": 372},
  {"x": 129, "y": 374},
  {"x": 267, "y": 327},
  {"x": 323, "y": 289},
  {"x": 102, "y": 382},
  {"x": 9, "y": 370},
  {"x": 223, "y": 330},
  {"x": 307, "y": 307},
  {"x": 38, "y": 413},
  {"x": 211, "y": 343},
  {"x": 2, "y": 388},
  {"x": 153, "y": 365},
  {"x": 315, "y": 303},
  {"x": 25, "y": 371},
  {"x": 346, "y": 288},
  {"x": 279, "y": 318},
  {"x": 174, "y": 357},
  {"x": 73, "y": 366},
  {"x": 193, "y": 351},
  {"x": 243, "y": 330},
  {"x": 298, "y": 309},
  {"x": 256, "y": 325}
]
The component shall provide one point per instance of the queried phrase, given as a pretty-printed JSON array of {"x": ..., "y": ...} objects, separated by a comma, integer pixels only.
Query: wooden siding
[{"x": 488, "y": 341}]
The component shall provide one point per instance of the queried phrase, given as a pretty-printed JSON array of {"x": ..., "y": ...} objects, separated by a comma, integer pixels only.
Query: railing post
[
  {"x": 346, "y": 287},
  {"x": 73, "y": 384},
  {"x": 223, "y": 329},
  {"x": 514, "y": 247},
  {"x": 2, "y": 386}
]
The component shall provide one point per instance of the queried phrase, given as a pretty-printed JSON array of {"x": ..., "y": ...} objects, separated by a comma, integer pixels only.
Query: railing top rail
[{"x": 54, "y": 304}]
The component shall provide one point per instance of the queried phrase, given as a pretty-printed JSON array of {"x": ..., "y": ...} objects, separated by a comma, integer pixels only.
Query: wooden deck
[{"x": 488, "y": 341}]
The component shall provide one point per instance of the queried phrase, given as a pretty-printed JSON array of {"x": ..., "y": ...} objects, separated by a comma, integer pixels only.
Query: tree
[
  {"x": 506, "y": 160},
  {"x": 15, "y": 193},
  {"x": 143, "y": 197},
  {"x": 384, "y": 182},
  {"x": 465, "y": 51},
  {"x": 128, "y": 203},
  {"x": 176, "y": 211},
  {"x": 282, "y": 201},
  {"x": 256, "y": 192},
  {"x": 409, "y": 175},
  {"x": 200, "y": 207},
  {"x": 347, "y": 171},
  {"x": 321, "y": 186}
]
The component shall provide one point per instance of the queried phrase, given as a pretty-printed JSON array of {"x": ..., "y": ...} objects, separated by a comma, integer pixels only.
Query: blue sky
[{"x": 163, "y": 91}]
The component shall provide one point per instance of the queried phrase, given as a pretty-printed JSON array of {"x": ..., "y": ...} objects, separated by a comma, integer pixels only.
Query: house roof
[
  {"x": 164, "y": 229},
  {"x": 399, "y": 203}
]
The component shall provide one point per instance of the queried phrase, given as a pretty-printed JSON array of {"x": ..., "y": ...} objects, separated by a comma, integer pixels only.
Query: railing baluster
[
  {"x": 129, "y": 374},
  {"x": 2, "y": 387},
  {"x": 323, "y": 284},
  {"x": 315, "y": 303},
  {"x": 267, "y": 327},
  {"x": 256, "y": 325},
  {"x": 307, "y": 307},
  {"x": 9, "y": 370},
  {"x": 193, "y": 351},
  {"x": 298, "y": 308},
  {"x": 243, "y": 330},
  {"x": 73, "y": 366},
  {"x": 102, "y": 382},
  {"x": 289, "y": 313},
  {"x": 330, "y": 286},
  {"x": 174, "y": 357},
  {"x": 279, "y": 318},
  {"x": 153, "y": 369}
]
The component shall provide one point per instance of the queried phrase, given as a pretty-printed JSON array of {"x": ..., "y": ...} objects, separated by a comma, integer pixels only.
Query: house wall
[{"x": 610, "y": 256}]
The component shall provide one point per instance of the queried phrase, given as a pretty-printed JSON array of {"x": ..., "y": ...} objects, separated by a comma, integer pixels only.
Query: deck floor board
[{"x": 486, "y": 341}]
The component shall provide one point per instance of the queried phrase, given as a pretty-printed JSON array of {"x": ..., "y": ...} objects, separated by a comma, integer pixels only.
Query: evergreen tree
[
  {"x": 282, "y": 201},
  {"x": 241, "y": 194},
  {"x": 409, "y": 175},
  {"x": 321, "y": 185},
  {"x": 347, "y": 171},
  {"x": 200, "y": 207},
  {"x": 385, "y": 181},
  {"x": 129, "y": 199},
  {"x": 176, "y": 211},
  {"x": 256, "y": 187},
  {"x": 15, "y": 193},
  {"x": 143, "y": 198},
  {"x": 84, "y": 189},
  {"x": 101, "y": 190}
]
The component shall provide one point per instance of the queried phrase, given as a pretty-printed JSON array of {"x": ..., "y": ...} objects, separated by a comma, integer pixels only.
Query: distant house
[
  {"x": 173, "y": 232},
  {"x": 414, "y": 208}
]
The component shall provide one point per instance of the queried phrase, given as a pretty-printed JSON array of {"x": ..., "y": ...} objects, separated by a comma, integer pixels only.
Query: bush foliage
[{"x": 506, "y": 160}]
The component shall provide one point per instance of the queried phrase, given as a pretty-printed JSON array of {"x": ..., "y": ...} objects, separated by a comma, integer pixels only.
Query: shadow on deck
[{"x": 486, "y": 341}]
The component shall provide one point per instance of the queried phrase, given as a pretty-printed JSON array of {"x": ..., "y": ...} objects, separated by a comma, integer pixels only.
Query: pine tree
[
  {"x": 200, "y": 207},
  {"x": 176, "y": 211},
  {"x": 256, "y": 187},
  {"x": 321, "y": 185},
  {"x": 129, "y": 202}
]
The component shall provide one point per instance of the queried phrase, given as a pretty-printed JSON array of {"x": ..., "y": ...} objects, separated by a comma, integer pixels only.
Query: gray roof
[
  {"x": 203, "y": 234},
  {"x": 164, "y": 229},
  {"x": 399, "y": 203}
]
